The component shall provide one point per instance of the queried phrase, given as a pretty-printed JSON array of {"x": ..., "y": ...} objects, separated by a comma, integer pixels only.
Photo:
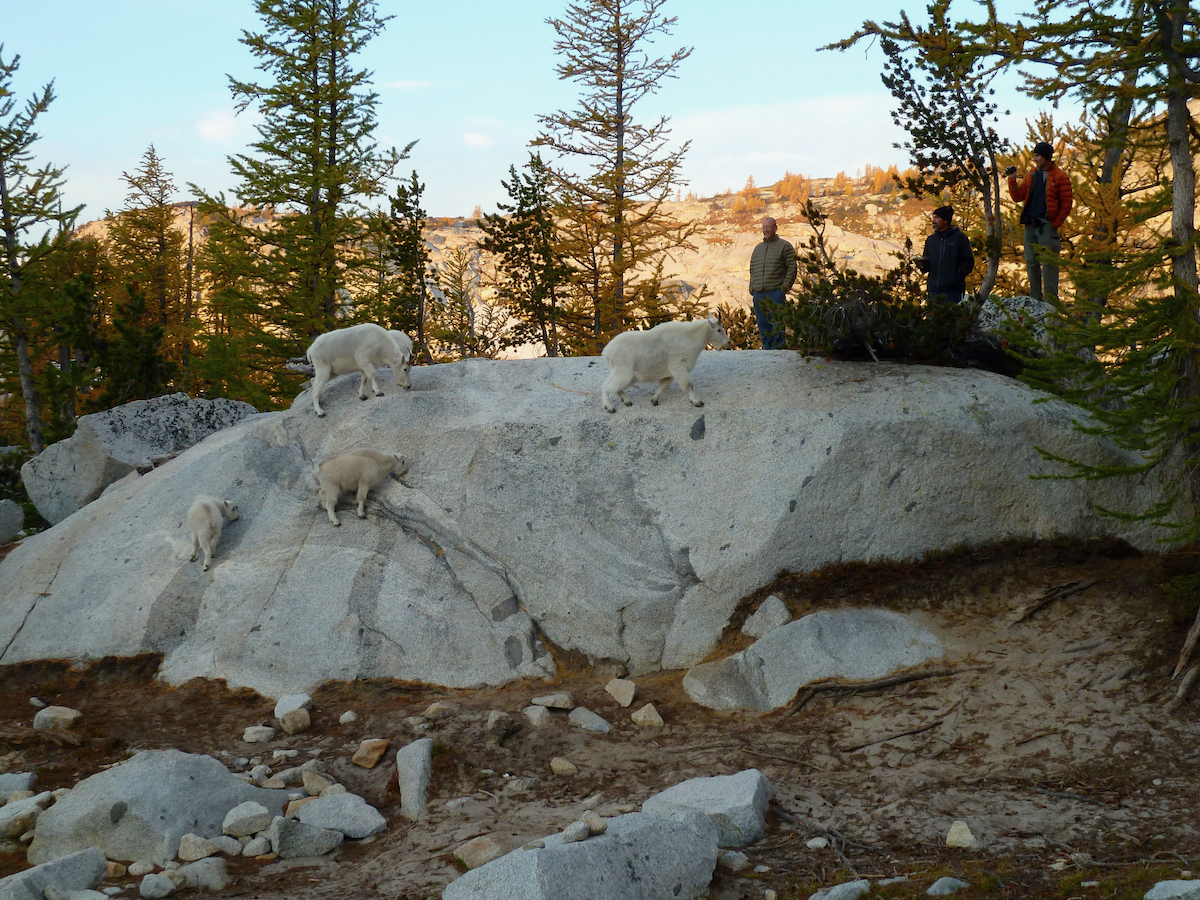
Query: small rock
[
  {"x": 441, "y": 710},
  {"x": 230, "y": 846},
  {"x": 256, "y": 734},
  {"x": 295, "y": 721},
  {"x": 733, "y": 861},
  {"x": 622, "y": 690},
  {"x": 538, "y": 716},
  {"x": 499, "y": 722},
  {"x": 416, "y": 723},
  {"x": 591, "y": 802},
  {"x": 481, "y": 850},
  {"x": 204, "y": 874},
  {"x": 154, "y": 887},
  {"x": 334, "y": 788},
  {"x": 293, "y": 806},
  {"x": 281, "y": 755},
  {"x": 596, "y": 823},
  {"x": 292, "y": 839},
  {"x": 771, "y": 614},
  {"x": 257, "y": 847},
  {"x": 575, "y": 832},
  {"x": 347, "y": 717},
  {"x": 193, "y": 847},
  {"x": 369, "y": 752},
  {"x": 769, "y": 894},
  {"x": 141, "y": 867},
  {"x": 260, "y": 773},
  {"x": 315, "y": 783},
  {"x": 115, "y": 870},
  {"x": 647, "y": 717},
  {"x": 559, "y": 700},
  {"x": 817, "y": 843},
  {"x": 849, "y": 890},
  {"x": 762, "y": 870},
  {"x": 584, "y": 718},
  {"x": 56, "y": 717},
  {"x": 37, "y": 703},
  {"x": 520, "y": 785},
  {"x": 561, "y": 766},
  {"x": 246, "y": 818},
  {"x": 288, "y": 702},
  {"x": 946, "y": 886},
  {"x": 960, "y": 836}
]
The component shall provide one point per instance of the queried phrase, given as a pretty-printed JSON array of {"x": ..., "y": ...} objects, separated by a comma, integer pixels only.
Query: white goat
[
  {"x": 665, "y": 352},
  {"x": 359, "y": 348},
  {"x": 206, "y": 518},
  {"x": 359, "y": 470}
]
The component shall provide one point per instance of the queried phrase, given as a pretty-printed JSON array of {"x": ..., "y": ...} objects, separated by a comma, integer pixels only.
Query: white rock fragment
[
  {"x": 647, "y": 717},
  {"x": 849, "y": 890},
  {"x": 584, "y": 718},
  {"x": 141, "y": 867},
  {"x": 538, "y": 716},
  {"x": 155, "y": 887},
  {"x": 771, "y": 614},
  {"x": 193, "y": 847},
  {"x": 575, "y": 832},
  {"x": 733, "y": 861},
  {"x": 817, "y": 843},
  {"x": 347, "y": 717},
  {"x": 56, "y": 717},
  {"x": 288, "y": 702},
  {"x": 960, "y": 835},
  {"x": 256, "y": 734},
  {"x": 481, "y": 850},
  {"x": 257, "y": 847},
  {"x": 622, "y": 690},
  {"x": 558, "y": 700},
  {"x": 596, "y": 823},
  {"x": 246, "y": 818},
  {"x": 562, "y": 766},
  {"x": 295, "y": 721},
  {"x": 440, "y": 709},
  {"x": 946, "y": 886}
]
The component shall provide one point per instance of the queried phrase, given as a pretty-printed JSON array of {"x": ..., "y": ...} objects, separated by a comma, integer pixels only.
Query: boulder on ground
[
  {"x": 639, "y": 857},
  {"x": 78, "y": 871},
  {"x": 348, "y": 813},
  {"x": 291, "y": 839},
  {"x": 141, "y": 808},
  {"x": 736, "y": 804},
  {"x": 855, "y": 644},
  {"x": 107, "y": 446},
  {"x": 414, "y": 763}
]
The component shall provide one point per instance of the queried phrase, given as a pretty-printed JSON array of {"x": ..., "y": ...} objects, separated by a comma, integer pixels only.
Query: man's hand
[{"x": 1010, "y": 171}]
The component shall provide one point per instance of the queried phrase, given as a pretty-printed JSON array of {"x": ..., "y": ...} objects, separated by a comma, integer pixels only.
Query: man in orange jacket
[{"x": 1046, "y": 191}]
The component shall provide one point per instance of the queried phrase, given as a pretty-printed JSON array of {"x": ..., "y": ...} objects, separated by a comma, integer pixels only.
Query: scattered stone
[
  {"x": 333, "y": 789},
  {"x": 281, "y": 755},
  {"x": 75, "y": 872},
  {"x": 347, "y": 813},
  {"x": 246, "y": 818},
  {"x": 647, "y": 717},
  {"x": 20, "y": 816},
  {"x": 56, "y": 717},
  {"x": 960, "y": 836},
  {"x": 260, "y": 773},
  {"x": 584, "y": 718},
  {"x": 347, "y": 717},
  {"x": 850, "y": 890},
  {"x": 520, "y": 785},
  {"x": 622, "y": 690},
  {"x": 295, "y": 721},
  {"x": 575, "y": 832},
  {"x": 736, "y": 804},
  {"x": 15, "y": 781},
  {"x": 205, "y": 875},
  {"x": 591, "y": 802},
  {"x": 413, "y": 765},
  {"x": 230, "y": 846},
  {"x": 37, "y": 703},
  {"x": 733, "y": 861},
  {"x": 289, "y": 702},
  {"x": 193, "y": 847},
  {"x": 115, "y": 870},
  {"x": 256, "y": 734},
  {"x": 293, "y": 806},
  {"x": 559, "y": 700},
  {"x": 817, "y": 843},
  {"x": 769, "y": 894},
  {"x": 596, "y": 823},
  {"x": 416, "y": 723},
  {"x": 561, "y": 766},
  {"x": 257, "y": 847},
  {"x": 315, "y": 783},
  {"x": 538, "y": 716},
  {"x": 771, "y": 614},
  {"x": 1174, "y": 890},
  {"x": 440, "y": 710},
  {"x": 141, "y": 867},
  {"x": 481, "y": 850},
  {"x": 761, "y": 870},
  {"x": 499, "y": 722},
  {"x": 946, "y": 886},
  {"x": 155, "y": 887},
  {"x": 884, "y": 882},
  {"x": 369, "y": 752},
  {"x": 290, "y": 838}
]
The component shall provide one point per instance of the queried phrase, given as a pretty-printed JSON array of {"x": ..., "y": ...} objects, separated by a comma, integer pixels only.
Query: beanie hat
[
  {"x": 944, "y": 212},
  {"x": 1044, "y": 150}
]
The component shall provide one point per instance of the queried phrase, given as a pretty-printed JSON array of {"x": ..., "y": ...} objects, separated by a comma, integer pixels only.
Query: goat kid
[
  {"x": 360, "y": 470},
  {"x": 206, "y": 518}
]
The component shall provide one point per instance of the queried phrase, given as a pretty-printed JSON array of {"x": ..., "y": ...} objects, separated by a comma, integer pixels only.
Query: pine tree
[
  {"x": 617, "y": 229},
  {"x": 314, "y": 166},
  {"x": 531, "y": 273},
  {"x": 408, "y": 256},
  {"x": 32, "y": 219},
  {"x": 464, "y": 325}
]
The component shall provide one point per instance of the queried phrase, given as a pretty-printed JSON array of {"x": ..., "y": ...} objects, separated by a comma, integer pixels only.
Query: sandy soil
[{"x": 1052, "y": 738}]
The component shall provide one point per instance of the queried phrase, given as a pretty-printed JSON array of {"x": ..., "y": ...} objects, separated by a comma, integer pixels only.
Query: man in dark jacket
[
  {"x": 1046, "y": 191},
  {"x": 947, "y": 259},
  {"x": 772, "y": 274}
]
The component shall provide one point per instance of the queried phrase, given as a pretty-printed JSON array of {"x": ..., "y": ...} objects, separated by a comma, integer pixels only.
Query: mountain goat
[
  {"x": 206, "y": 518},
  {"x": 665, "y": 352},
  {"x": 359, "y": 348},
  {"x": 359, "y": 470}
]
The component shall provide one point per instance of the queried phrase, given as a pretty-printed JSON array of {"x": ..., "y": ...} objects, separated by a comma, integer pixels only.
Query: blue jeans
[
  {"x": 1043, "y": 273},
  {"x": 772, "y": 336}
]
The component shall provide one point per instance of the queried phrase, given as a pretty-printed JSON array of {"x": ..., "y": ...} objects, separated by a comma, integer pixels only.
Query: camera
[{"x": 1011, "y": 170}]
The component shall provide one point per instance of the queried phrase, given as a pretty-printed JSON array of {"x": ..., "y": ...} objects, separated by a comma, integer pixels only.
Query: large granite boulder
[
  {"x": 107, "y": 446},
  {"x": 629, "y": 537},
  {"x": 141, "y": 808}
]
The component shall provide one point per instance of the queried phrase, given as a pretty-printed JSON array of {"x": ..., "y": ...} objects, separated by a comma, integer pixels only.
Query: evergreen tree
[
  {"x": 32, "y": 220},
  {"x": 531, "y": 273},
  {"x": 282, "y": 256},
  {"x": 408, "y": 255},
  {"x": 134, "y": 365},
  {"x": 616, "y": 228},
  {"x": 464, "y": 325}
]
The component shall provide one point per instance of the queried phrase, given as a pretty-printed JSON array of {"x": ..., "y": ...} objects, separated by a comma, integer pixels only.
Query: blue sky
[{"x": 467, "y": 79}]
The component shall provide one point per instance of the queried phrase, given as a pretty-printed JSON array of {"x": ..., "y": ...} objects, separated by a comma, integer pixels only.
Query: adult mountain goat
[
  {"x": 206, "y": 518},
  {"x": 664, "y": 353},
  {"x": 359, "y": 470},
  {"x": 359, "y": 348}
]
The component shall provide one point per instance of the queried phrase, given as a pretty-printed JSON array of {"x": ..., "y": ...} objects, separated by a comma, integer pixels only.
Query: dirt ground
[{"x": 1052, "y": 737}]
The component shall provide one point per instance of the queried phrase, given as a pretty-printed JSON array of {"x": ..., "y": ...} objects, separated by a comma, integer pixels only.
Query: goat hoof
[
  {"x": 698, "y": 403},
  {"x": 205, "y": 569},
  {"x": 320, "y": 415},
  {"x": 611, "y": 409},
  {"x": 653, "y": 402}
]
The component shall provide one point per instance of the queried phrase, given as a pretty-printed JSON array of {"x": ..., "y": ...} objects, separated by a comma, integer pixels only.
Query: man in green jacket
[{"x": 772, "y": 274}]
